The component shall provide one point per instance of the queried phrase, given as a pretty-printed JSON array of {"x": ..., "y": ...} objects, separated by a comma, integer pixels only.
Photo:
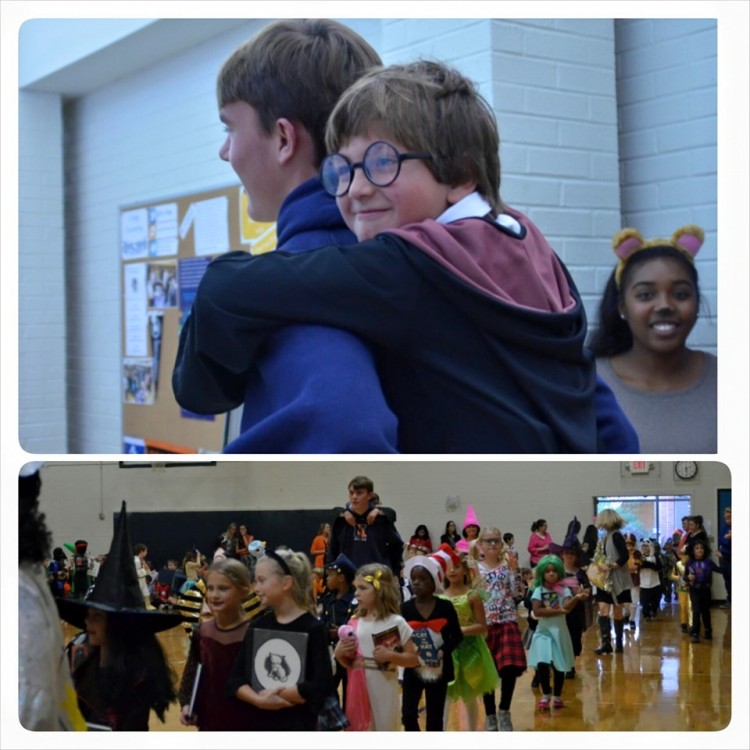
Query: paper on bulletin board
[
  {"x": 209, "y": 220},
  {"x": 161, "y": 284},
  {"x": 259, "y": 235},
  {"x": 162, "y": 230},
  {"x": 138, "y": 380},
  {"x": 136, "y": 318},
  {"x": 134, "y": 234},
  {"x": 133, "y": 444},
  {"x": 155, "y": 329}
]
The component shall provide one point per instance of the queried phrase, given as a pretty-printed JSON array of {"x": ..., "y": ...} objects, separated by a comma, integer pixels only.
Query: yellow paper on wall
[{"x": 260, "y": 236}]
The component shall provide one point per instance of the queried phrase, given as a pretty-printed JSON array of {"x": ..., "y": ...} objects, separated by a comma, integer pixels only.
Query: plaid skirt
[{"x": 505, "y": 644}]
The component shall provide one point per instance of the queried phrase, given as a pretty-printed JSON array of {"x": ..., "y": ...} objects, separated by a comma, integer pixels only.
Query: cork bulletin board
[{"x": 165, "y": 246}]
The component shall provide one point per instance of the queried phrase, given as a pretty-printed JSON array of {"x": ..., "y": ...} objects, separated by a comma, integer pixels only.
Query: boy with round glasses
[
  {"x": 477, "y": 326},
  {"x": 380, "y": 164},
  {"x": 275, "y": 93}
]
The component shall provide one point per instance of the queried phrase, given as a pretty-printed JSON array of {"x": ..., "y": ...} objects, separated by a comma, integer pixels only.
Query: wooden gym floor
[{"x": 662, "y": 682}]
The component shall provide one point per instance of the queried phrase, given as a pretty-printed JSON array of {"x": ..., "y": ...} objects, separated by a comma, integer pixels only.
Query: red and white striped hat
[{"x": 437, "y": 564}]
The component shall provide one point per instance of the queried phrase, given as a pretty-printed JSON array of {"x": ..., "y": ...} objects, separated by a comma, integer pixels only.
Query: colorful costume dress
[
  {"x": 473, "y": 665},
  {"x": 551, "y": 642},
  {"x": 383, "y": 691}
]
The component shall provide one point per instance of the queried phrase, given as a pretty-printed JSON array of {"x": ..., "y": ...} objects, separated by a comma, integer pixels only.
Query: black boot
[
  {"x": 619, "y": 626},
  {"x": 604, "y": 629}
]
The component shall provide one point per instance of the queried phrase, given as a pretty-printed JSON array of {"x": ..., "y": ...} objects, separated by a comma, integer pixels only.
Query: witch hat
[
  {"x": 117, "y": 591},
  {"x": 470, "y": 520},
  {"x": 570, "y": 543}
]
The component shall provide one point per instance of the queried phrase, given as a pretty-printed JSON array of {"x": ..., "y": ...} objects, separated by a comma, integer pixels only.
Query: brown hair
[
  {"x": 296, "y": 69},
  {"x": 234, "y": 570},
  {"x": 361, "y": 483},
  {"x": 426, "y": 106}
]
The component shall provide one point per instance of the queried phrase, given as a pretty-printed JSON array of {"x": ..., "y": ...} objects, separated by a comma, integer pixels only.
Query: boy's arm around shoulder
[
  {"x": 242, "y": 298},
  {"x": 199, "y": 382}
]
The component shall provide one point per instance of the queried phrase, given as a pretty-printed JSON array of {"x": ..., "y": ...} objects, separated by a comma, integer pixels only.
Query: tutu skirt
[{"x": 474, "y": 668}]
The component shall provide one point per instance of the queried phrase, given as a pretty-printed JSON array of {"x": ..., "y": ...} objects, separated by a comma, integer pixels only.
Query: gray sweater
[{"x": 677, "y": 422}]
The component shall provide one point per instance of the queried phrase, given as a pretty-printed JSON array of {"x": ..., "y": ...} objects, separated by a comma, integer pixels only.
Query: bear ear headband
[{"x": 627, "y": 242}]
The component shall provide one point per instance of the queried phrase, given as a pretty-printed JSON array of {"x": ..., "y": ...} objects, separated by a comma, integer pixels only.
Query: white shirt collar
[{"x": 473, "y": 205}]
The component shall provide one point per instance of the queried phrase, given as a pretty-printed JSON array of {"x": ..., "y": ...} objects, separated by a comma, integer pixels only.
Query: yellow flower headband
[
  {"x": 374, "y": 579},
  {"x": 627, "y": 242}
]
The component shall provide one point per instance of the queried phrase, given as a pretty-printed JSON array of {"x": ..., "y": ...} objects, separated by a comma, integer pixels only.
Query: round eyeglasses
[{"x": 381, "y": 165}]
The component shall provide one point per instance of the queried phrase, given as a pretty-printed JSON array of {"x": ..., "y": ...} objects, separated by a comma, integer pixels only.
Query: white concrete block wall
[
  {"x": 553, "y": 84},
  {"x": 667, "y": 105},
  {"x": 41, "y": 268},
  {"x": 152, "y": 135},
  {"x": 554, "y": 95}
]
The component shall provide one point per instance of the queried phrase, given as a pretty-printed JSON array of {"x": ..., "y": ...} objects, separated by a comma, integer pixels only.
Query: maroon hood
[{"x": 522, "y": 271}]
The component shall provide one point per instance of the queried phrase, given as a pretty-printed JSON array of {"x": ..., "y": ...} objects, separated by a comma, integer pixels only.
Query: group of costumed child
[
  {"x": 434, "y": 641},
  {"x": 454, "y": 639}
]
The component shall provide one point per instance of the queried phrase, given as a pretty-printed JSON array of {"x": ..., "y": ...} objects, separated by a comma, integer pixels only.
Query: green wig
[{"x": 543, "y": 564}]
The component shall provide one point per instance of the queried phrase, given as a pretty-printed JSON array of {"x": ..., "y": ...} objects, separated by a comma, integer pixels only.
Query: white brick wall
[
  {"x": 667, "y": 118},
  {"x": 41, "y": 269},
  {"x": 152, "y": 135},
  {"x": 554, "y": 86},
  {"x": 554, "y": 94}
]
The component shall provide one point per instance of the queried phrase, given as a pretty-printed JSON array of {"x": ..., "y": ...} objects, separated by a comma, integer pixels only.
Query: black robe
[{"x": 464, "y": 370}]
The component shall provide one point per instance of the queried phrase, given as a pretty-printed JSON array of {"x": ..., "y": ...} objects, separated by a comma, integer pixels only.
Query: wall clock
[{"x": 685, "y": 469}]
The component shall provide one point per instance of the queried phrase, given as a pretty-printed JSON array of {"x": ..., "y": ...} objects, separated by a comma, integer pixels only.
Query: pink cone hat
[{"x": 470, "y": 519}]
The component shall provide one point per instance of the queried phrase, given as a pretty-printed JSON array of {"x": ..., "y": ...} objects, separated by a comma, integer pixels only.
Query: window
[{"x": 652, "y": 516}]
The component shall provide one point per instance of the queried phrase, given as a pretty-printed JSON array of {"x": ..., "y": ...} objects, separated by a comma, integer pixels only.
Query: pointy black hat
[{"x": 117, "y": 591}]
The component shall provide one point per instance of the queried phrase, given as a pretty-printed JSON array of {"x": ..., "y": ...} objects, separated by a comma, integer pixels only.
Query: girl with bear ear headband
[{"x": 649, "y": 307}]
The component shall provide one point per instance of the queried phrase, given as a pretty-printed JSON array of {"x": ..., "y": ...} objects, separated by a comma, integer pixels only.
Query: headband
[
  {"x": 627, "y": 242},
  {"x": 281, "y": 561},
  {"x": 374, "y": 579}
]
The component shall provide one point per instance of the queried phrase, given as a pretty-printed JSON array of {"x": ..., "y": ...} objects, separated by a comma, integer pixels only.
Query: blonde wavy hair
[
  {"x": 387, "y": 594},
  {"x": 300, "y": 571}
]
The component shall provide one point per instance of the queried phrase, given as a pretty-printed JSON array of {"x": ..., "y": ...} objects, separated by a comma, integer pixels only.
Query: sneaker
[
  {"x": 684, "y": 628},
  {"x": 557, "y": 702},
  {"x": 490, "y": 723},
  {"x": 543, "y": 704},
  {"x": 695, "y": 639},
  {"x": 505, "y": 722}
]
